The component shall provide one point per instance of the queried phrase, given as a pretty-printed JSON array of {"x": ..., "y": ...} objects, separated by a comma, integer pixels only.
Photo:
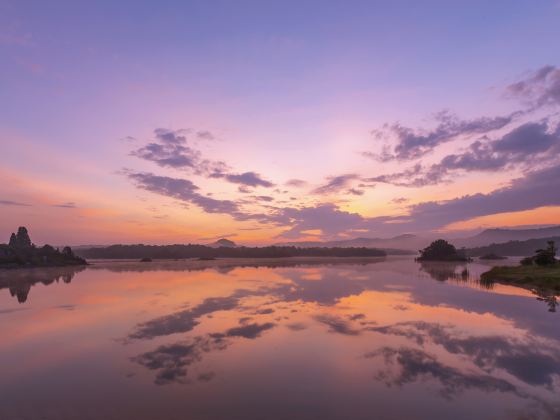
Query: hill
[
  {"x": 407, "y": 242},
  {"x": 494, "y": 236},
  {"x": 512, "y": 248},
  {"x": 226, "y": 243}
]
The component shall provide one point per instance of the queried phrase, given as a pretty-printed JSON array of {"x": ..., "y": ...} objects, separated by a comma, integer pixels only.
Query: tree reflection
[
  {"x": 20, "y": 281},
  {"x": 443, "y": 271}
]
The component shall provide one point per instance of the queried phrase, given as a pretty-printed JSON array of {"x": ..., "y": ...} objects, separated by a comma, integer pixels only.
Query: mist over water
[{"x": 377, "y": 338}]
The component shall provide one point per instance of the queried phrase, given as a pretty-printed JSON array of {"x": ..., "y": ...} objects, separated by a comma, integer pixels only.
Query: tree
[
  {"x": 441, "y": 250},
  {"x": 546, "y": 256}
]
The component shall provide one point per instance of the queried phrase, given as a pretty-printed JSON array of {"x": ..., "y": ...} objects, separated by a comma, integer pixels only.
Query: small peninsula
[
  {"x": 21, "y": 252},
  {"x": 541, "y": 270}
]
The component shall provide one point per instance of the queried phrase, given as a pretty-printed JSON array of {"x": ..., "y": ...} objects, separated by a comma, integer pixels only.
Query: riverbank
[{"x": 547, "y": 277}]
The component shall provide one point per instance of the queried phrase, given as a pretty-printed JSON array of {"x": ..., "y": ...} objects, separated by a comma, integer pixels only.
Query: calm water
[{"x": 388, "y": 340}]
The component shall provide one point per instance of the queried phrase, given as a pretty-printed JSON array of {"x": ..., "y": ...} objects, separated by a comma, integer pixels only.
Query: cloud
[
  {"x": 541, "y": 88},
  {"x": 526, "y": 146},
  {"x": 13, "y": 203},
  {"x": 249, "y": 331},
  {"x": 416, "y": 364},
  {"x": 205, "y": 135},
  {"x": 414, "y": 143},
  {"x": 327, "y": 217},
  {"x": 297, "y": 183},
  {"x": 336, "y": 324},
  {"x": 171, "y": 361},
  {"x": 183, "y": 321},
  {"x": 530, "y": 361},
  {"x": 184, "y": 190},
  {"x": 265, "y": 198},
  {"x": 536, "y": 189},
  {"x": 336, "y": 184},
  {"x": 248, "y": 179},
  {"x": 68, "y": 205},
  {"x": 170, "y": 149}
]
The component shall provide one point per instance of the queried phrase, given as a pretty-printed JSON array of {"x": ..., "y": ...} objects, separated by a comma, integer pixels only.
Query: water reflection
[
  {"x": 459, "y": 273},
  {"x": 19, "y": 282},
  {"x": 296, "y": 340},
  {"x": 443, "y": 271}
]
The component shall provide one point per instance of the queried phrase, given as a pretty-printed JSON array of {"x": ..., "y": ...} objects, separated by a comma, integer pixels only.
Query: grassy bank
[{"x": 547, "y": 277}]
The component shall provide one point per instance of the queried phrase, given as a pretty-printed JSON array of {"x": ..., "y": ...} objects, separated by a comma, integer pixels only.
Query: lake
[{"x": 275, "y": 339}]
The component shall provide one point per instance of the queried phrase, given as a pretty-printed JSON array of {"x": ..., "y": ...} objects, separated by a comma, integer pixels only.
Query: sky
[{"x": 272, "y": 121}]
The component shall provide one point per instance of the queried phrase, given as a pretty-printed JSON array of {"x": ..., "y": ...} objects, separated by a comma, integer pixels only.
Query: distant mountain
[
  {"x": 223, "y": 243},
  {"x": 495, "y": 236},
  {"x": 206, "y": 252},
  {"x": 513, "y": 248},
  {"x": 407, "y": 242}
]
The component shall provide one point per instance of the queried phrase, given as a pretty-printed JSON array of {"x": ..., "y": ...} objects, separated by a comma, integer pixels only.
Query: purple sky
[{"x": 178, "y": 121}]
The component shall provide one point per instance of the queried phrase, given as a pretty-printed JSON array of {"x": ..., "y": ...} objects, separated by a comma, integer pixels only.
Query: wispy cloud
[{"x": 13, "y": 203}]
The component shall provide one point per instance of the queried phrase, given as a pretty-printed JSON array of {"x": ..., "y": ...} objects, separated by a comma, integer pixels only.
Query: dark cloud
[
  {"x": 540, "y": 88},
  {"x": 264, "y": 311},
  {"x": 523, "y": 147},
  {"x": 418, "y": 365},
  {"x": 250, "y": 331},
  {"x": 336, "y": 324},
  {"x": 205, "y": 135},
  {"x": 69, "y": 205},
  {"x": 535, "y": 189},
  {"x": 171, "y": 361},
  {"x": 184, "y": 190},
  {"x": 170, "y": 149},
  {"x": 266, "y": 198},
  {"x": 13, "y": 203},
  {"x": 248, "y": 179},
  {"x": 183, "y": 321},
  {"x": 296, "y": 326},
  {"x": 415, "y": 143},
  {"x": 297, "y": 183},
  {"x": 530, "y": 361},
  {"x": 354, "y": 191},
  {"x": 336, "y": 184}
]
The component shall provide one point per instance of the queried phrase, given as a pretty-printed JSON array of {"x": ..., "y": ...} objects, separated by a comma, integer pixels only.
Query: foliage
[
  {"x": 543, "y": 256},
  {"x": 202, "y": 251},
  {"x": 546, "y": 256},
  {"x": 21, "y": 252},
  {"x": 547, "y": 277},
  {"x": 441, "y": 250}
]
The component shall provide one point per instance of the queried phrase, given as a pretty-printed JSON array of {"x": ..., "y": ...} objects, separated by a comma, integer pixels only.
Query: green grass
[{"x": 547, "y": 277}]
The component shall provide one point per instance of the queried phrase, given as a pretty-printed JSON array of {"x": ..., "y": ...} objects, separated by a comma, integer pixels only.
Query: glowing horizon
[{"x": 188, "y": 122}]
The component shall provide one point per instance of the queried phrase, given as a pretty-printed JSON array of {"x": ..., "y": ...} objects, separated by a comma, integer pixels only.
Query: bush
[
  {"x": 527, "y": 261},
  {"x": 546, "y": 256}
]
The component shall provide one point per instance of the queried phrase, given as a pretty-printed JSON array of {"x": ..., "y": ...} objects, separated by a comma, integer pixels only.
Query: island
[
  {"x": 21, "y": 252},
  {"x": 541, "y": 270},
  {"x": 441, "y": 250}
]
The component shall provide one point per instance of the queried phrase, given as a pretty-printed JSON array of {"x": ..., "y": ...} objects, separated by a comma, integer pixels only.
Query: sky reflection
[{"x": 304, "y": 341}]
